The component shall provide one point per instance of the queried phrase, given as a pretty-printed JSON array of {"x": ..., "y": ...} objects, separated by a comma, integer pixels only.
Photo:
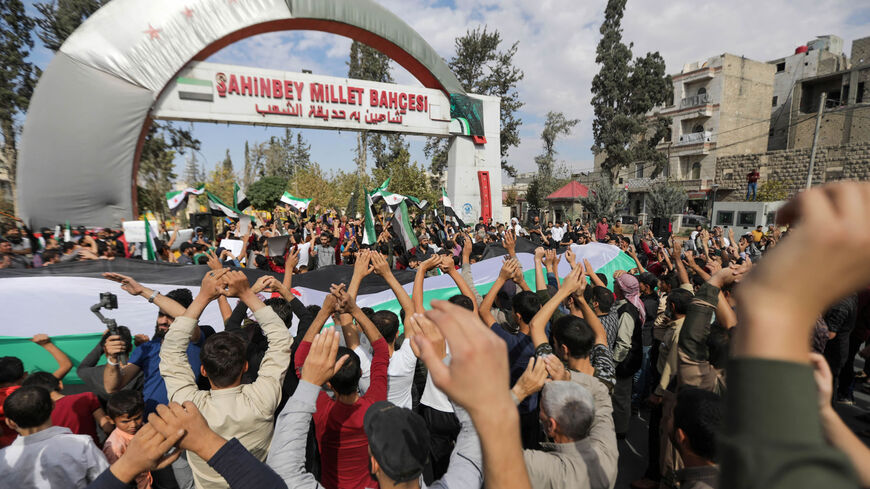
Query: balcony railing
[
  {"x": 694, "y": 101},
  {"x": 696, "y": 137}
]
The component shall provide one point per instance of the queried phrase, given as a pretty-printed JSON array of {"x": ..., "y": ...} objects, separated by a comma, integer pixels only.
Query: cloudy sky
[{"x": 557, "y": 40}]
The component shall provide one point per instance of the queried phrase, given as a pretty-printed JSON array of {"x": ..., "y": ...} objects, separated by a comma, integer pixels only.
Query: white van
[{"x": 744, "y": 217}]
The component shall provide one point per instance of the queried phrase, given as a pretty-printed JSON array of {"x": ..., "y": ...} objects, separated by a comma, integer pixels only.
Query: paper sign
[
  {"x": 134, "y": 231},
  {"x": 244, "y": 226},
  {"x": 277, "y": 245},
  {"x": 184, "y": 236},
  {"x": 233, "y": 245}
]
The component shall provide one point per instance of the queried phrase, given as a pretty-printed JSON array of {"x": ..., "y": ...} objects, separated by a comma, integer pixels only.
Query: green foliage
[
  {"x": 17, "y": 75},
  {"x": 266, "y": 192},
  {"x": 279, "y": 157},
  {"x": 773, "y": 190},
  {"x": 545, "y": 181},
  {"x": 510, "y": 199},
  {"x": 367, "y": 63},
  {"x": 221, "y": 179},
  {"x": 408, "y": 179},
  {"x": 666, "y": 198},
  {"x": 484, "y": 69},
  {"x": 603, "y": 200},
  {"x": 60, "y": 18},
  {"x": 156, "y": 172},
  {"x": 623, "y": 92}
]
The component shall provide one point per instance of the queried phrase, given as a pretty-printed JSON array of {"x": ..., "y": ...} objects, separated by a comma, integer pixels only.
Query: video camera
[{"x": 109, "y": 301}]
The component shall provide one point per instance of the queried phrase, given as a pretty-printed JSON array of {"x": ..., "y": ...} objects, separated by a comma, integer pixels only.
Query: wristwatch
[{"x": 153, "y": 296}]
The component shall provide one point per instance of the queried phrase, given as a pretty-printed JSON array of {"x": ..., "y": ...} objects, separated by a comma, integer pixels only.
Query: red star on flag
[
  {"x": 188, "y": 12},
  {"x": 152, "y": 32}
]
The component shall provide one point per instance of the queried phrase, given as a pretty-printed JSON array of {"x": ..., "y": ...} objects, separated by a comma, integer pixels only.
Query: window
[
  {"x": 696, "y": 170},
  {"x": 725, "y": 218},
  {"x": 771, "y": 218},
  {"x": 775, "y": 100},
  {"x": 702, "y": 91},
  {"x": 698, "y": 128},
  {"x": 859, "y": 97},
  {"x": 638, "y": 172},
  {"x": 780, "y": 67},
  {"x": 746, "y": 219}
]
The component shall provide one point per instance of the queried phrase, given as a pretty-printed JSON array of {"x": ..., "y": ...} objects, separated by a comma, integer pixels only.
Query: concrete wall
[
  {"x": 744, "y": 105},
  {"x": 791, "y": 166},
  {"x": 860, "y": 51}
]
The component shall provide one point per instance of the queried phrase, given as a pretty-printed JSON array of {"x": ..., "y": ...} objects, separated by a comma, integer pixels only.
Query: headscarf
[{"x": 631, "y": 291}]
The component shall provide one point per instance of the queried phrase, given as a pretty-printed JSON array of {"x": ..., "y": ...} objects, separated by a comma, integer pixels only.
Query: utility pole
[{"x": 816, "y": 138}]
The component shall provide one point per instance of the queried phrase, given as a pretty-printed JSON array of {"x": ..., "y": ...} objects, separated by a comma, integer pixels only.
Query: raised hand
[
  {"x": 129, "y": 285},
  {"x": 213, "y": 283},
  {"x": 363, "y": 267},
  {"x": 540, "y": 252},
  {"x": 533, "y": 378},
  {"x": 292, "y": 260},
  {"x": 509, "y": 269},
  {"x": 320, "y": 364},
  {"x": 213, "y": 262},
  {"x": 478, "y": 373},
  {"x": 41, "y": 339},
  {"x": 552, "y": 261},
  {"x": 575, "y": 279},
  {"x": 466, "y": 247},
  {"x": 420, "y": 325},
  {"x": 186, "y": 419},
  {"x": 147, "y": 451},
  {"x": 446, "y": 265},
  {"x": 430, "y": 263},
  {"x": 379, "y": 265},
  {"x": 262, "y": 283},
  {"x": 556, "y": 369},
  {"x": 510, "y": 242},
  {"x": 569, "y": 256}
]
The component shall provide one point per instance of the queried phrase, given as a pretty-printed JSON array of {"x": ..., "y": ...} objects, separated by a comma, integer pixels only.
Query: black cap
[
  {"x": 398, "y": 439},
  {"x": 184, "y": 246}
]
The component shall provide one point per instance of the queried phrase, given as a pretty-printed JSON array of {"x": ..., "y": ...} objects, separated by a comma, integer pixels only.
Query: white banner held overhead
[{"x": 223, "y": 93}]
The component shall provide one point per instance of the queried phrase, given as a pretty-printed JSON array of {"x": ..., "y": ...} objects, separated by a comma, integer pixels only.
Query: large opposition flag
[
  {"x": 299, "y": 204},
  {"x": 402, "y": 227},
  {"x": 177, "y": 198},
  {"x": 150, "y": 251},
  {"x": 218, "y": 208},
  {"x": 240, "y": 200},
  {"x": 74, "y": 287}
]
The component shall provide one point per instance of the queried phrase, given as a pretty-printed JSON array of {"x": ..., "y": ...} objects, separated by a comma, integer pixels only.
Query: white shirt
[
  {"x": 304, "y": 249},
  {"x": 433, "y": 396},
  {"x": 51, "y": 458},
  {"x": 558, "y": 233},
  {"x": 400, "y": 373}
]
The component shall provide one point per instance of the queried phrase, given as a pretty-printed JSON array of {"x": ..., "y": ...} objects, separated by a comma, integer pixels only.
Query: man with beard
[{"x": 146, "y": 358}]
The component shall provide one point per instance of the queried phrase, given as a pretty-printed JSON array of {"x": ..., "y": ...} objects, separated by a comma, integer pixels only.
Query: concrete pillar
[{"x": 465, "y": 159}]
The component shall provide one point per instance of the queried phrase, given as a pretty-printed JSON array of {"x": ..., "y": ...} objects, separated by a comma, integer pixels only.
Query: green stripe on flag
[{"x": 193, "y": 81}]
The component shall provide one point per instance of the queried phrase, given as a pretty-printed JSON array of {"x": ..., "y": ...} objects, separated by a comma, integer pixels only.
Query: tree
[
  {"x": 511, "y": 198},
  {"x": 545, "y": 181},
  {"x": 156, "y": 172},
  {"x": 301, "y": 155},
  {"x": 248, "y": 173},
  {"x": 17, "y": 77},
  {"x": 409, "y": 179},
  {"x": 193, "y": 173},
  {"x": 367, "y": 63},
  {"x": 221, "y": 180},
  {"x": 59, "y": 19},
  {"x": 266, "y": 192},
  {"x": 666, "y": 198},
  {"x": 603, "y": 200},
  {"x": 484, "y": 69},
  {"x": 773, "y": 190},
  {"x": 623, "y": 92}
]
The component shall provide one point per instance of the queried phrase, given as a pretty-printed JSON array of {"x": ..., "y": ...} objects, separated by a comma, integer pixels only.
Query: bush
[{"x": 266, "y": 192}]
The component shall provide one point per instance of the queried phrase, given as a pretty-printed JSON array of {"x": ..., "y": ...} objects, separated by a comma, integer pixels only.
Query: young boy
[
  {"x": 44, "y": 455},
  {"x": 126, "y": 408},
  {"x": 81, "y": 413}
]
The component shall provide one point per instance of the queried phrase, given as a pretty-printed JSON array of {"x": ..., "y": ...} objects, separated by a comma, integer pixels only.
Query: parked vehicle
[
  {"x": 745, "y": 216},
  {"x": 689, "y": 221}
]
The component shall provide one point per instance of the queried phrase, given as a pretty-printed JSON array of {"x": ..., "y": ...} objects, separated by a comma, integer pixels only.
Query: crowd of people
[{"x": 736, "y": 349}]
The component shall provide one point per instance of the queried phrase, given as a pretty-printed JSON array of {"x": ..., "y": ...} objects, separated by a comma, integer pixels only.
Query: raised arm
[
  {"x": 591, "y": 274},
  {"x": 510, "y": 243},
  {"x": 539, "y": 322},
  {"x": 165, "y": 304},
  {"x": 540, "y": 281},
  {"x": 361, "y": 268},
  {"x": 326, "y": 310},
  {"x": 382, "y": 268},
  {"x": 448, "y": 268},
  {"x": 64, "y": 365},
  {"x": 778, "y": 303},
  {"x": 422, "y": 269},
  {"x": 508, "y": 269}
]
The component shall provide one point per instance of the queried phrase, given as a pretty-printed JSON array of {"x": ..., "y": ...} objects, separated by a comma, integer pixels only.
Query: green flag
[
  {"x": 369, "y": 237},
  {"x": 150, "y": 251}
]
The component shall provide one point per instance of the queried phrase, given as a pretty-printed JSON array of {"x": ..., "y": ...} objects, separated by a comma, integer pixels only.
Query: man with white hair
[{"x": 577, "y": 416}]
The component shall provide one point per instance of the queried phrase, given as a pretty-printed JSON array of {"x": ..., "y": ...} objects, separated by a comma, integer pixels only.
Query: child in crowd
[{"x": 126, "y": 408}]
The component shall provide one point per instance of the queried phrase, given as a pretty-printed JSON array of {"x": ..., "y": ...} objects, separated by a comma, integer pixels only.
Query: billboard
[{"x": 210, "y": 92}]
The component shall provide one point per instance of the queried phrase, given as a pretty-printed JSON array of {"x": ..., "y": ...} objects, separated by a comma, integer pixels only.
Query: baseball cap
[{"x": 398, "y": 439}]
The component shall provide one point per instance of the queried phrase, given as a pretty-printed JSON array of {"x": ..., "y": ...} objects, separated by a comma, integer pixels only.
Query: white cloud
[{"x": 558, "y": 40}]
